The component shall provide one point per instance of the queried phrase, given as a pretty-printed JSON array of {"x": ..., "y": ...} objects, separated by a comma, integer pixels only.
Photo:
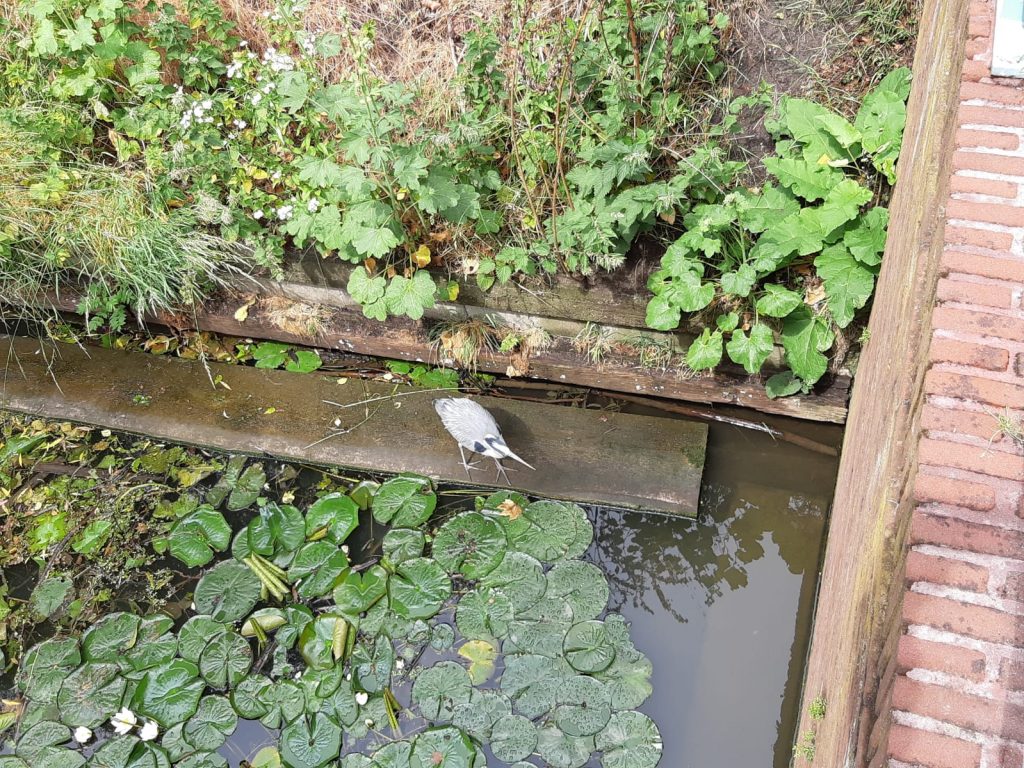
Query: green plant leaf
[
  {"x": 310, "y": 742},
  {"x": 226, "y": 659},
  {"x": 848, "y": 283},
  {"x": 778, "y": 301},
  {"x": 195, "y": 536},
  {"x": 360, "y": 591},
  {"x": 582, "y": 706},
  {"x": 805, "y": 337},
  {"x": 94, "y": 536},
  {"x": 319, "y": 172},
  {"x": 809, "y": 180},
  {"x": 90, "y": 695},
  {"x": 401, "y": 544},
  {"x": 866, "y": 240},
  {"x": 587, "y": 647},
  {"x": 169, "y": 693},
  {"x": 532, "y": 682},
  {"x": 316, "y": 568},
  {"x": 513, "y": 737},
  {"x": 451, "y": 745},
  {"x": 751, "y": 351},
  {"x": 740, "y": 281},
  {"x": 824, "y": 134},
  {"x": 293, "y": 89},
  {"x": 372, "y": 665},
  {"x": 662, "y": 315},
  {"x": 156, "y": 644},
  {"x": 287, "y": 525},
  {"x": 484, "y": 614},
  {"x": 418, "y": 588},
  {"x": 250, "y": 698},
  {"x": 440, "y": 689},
  {"x": 705, "y": 351},
  {"x": 45, "y": 665},
  {"x": 406, "y": 501},
  {"x": 630, "y": 740},
  {"x": 306, "y": 361},
  {"x": 520, "y": 578},
  {"x": 688, "y": 293},
  {"x": 210, "y": 726},
  {"x": 469, "y": 544},
  {"x": 335, "y": 513},
  {"x": 107, "y": 639},
  {"x": 410, "y": 296},
  {"x": 881, "y": 119},
  {"x": 581, "y": 585},
  {"x": 757, "y": 213},
  {"x": 49, "y": 595},
  {"x": 248, "y": 488},
  {"x": 481, "y": 655},
  {"x": 727, "y": 323},
  {"x": 227, "y": 592},
  {"x": 196, "y": 634},
  {"x": 560, "y": 750},
  {"x": 783, "y": 384}
]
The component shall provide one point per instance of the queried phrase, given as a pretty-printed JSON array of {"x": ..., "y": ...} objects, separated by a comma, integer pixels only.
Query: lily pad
[
  {"x": 405, "y": 501},
  {"x": 418, "y": 588},
  {"x": 587, "y": 647},
  {"x": 393, "y": 755},
  {"x": 401, "y": 544},
  {"x": 227, "y": 592},
  {"x": 49, "y": 595},
  {"x": 285, "y": 701},
  {"x": 310, "y": 742},
  {"x": 90, "y": 695},
  {"x": 45, "y": 666},
  {"x": 111, "y": 636},
  {"x": 287, "y": 525},
  {"x": 360, "y": 591},
  {"x": 211, "y": 725},
  {"x": 203, "y": 760},
  {"x": 560, "y": 750},
  {"x": 248, "y": 488},
  {"x": 470, "y": 544},
  {"x": 42, "y": 745},
  {"x": 520, "y": 577},
  {"x": 155, "y": 645},
  {"x": 532, "y": 681},
  {"x": 513, "y": 737},
  {"x": 583, "y": 708},
  {"x": 335, "y": 514},
  {"x": 628, "y": 680},
  {"x": 362, "y": 493},
  {"x": 481, "y": 656},
  {"x": 320, "y": 640},
  {"x": 114, "y": 753},
  {"x": 545, "y": 530},
  {"x": 169, "y": 693},
  {"x": 442, "y": 636},
  {"x": 195, "y": 537},
  {"x": 484, "y": 614},
  {"x": 440, "y": 689},
  {"x": 316, "y": 568},
  {"x": 372, "y": 665},
  {"x": 476, "y": 717},
  {"x": 226, "y": 660},
  {"x": 447, "y": 747},
  {"x": 250, "y": 697},
  {"x": 582, "y": 586},
  {"x": 196, "y": 634},
  {"x": 630, "y": 740}
]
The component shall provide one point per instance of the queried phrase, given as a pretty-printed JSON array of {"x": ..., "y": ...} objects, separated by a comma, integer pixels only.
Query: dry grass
[{"x": 295, "y": 317}]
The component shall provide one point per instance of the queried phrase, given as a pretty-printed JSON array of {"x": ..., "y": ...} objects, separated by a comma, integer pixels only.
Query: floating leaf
[
  {"x": 583, "y": 708},
  {"x": 248, "y": 488},
  {"x": 442, "y": 747},
  {"x": 470, "y": 544},
  {"x": 401, "y": 544},
  {"x": 169, "y": 693},
  {"x": 582, "y": 585},
  {"x": 285, "y": 701},
  {"x": 484, "y": 614},
  {"x": 195, "y": 635},
  {"x": 520, "y": 578},
  {"x": 49, "y": 595},
  {"x": 310, "y": 742},
  {"x": 227, "y": 592},
  {"x": 630, "y": 740},
  {"x": 560, "y": 750},
  {"x": 532, "y": 682},
  {"x": 226, "y": 660},
  {"x": 405, "y": 501},
  {"x": 513, "y": 737},
  {"x": 480, "y": 655},
  {"x": 40, "y": 745},
  {"x": 110, "y": 637},
  {"x": 628, "y": 680},
  {"x": 418, "y": 588},
  {"x": 316, "y": 568},
  {"x": 250, "y": 697},
  {"x": 335, "y": 513},
  {"x": 319, "y": 639},
  {"x": 155, "y": 645},
  {"x": 372, "y": 665},
  {"x": 441, "y": 688},
  {"x": 476, "y": 717},
  {"x": 90, "y": 695},
  {"x": 587, "y": 647},
  {"x": 211, "y": 725},
  {"x": 45, "y": 666},
  {"x": 286, "y": 523},
  {"x": 360, "y": 591},
  {"x": 196, "y": 536},
  {"x": 113, "y": 753}
]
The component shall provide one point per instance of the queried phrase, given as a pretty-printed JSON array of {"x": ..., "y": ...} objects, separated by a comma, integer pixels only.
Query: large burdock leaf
[
  {"x": 226, "y": 660},
  {"x": 560, "y": 750},
  {"x": 418, "y": 588},
  {"x": 310, "y": 742},
  {"x": 513, "y": 737},
  {"x": 533, "y": 681},
  {"x": 316, "y": 568},
  {"x": 583, "y": 707},
  {"x": 335, "y": 514},
  {"x": 470, "y": 544},
  {"x": 211, "y": 725},
  {"x": 45, "y": 666},
  {"x": 111, "y": 636},
  {"x": 169, "y": 693},
  {"x": 440, "y": 689},
  {"x": 520, "y": 578},
  {"x": 447, "y": 747},
  {"x": 90, "y": 695},
  {"x": 227, "y": 592},
  {"x": 405, "y": 501},
  {"x": 588, "y": 648},
  {"x": 630, "y": 740},
  {"x": 582, "y": 586}
]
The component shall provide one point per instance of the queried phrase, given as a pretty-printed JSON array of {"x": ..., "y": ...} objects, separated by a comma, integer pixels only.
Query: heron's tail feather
[{"x": 510, "y": 455}]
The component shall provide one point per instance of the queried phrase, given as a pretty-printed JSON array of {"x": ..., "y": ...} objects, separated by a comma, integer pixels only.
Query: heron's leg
[
  {"x": 501, "y": 471},
  {"x": 466, "y": 464}
]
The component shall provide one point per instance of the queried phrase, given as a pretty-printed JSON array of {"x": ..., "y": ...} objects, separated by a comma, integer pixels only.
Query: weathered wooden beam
[
  {"x": 858, "y": 615},
  {"x": 601, "y": 457}
]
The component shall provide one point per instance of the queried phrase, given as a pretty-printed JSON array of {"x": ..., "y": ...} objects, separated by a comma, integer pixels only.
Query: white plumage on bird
[{"x": 475, "y": 430}]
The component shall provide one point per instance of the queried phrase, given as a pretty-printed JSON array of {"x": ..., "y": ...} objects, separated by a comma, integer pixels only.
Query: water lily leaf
[
  {"x": 628, "y": 681},
  {"x": 336, "y": 513},
  {"x": 211, "y": 725},
  {"x": 582, "y": 585},
  {"x": 532, "y": 681},
  {"x": 544, "y": 638},
  {"x": 401, "y": 544},
  {"x": 630, "y": 740},
  {"x": 545, "y": 531},
  {"x": 476, "y": 717},
  {"x": 285, "y": 701},
  {"x": 114, "y": 753},
  {"x": 203, "y": 760},
  {"x": 310, "y": 742},
  {"x": 355, "y": 760},
  {"x": 393, "y": 755},
  {"x": 287, "y": 525},
  {"x": 173, "y": 742},
  {"x": 495, "y": 500},
  {"x": 259, "y": 538},
  {"x": 405, "y": 501},
  {"x": 583, "y": 708},
  {"x": 146, "y": 754},
  {"x": 440, "y": 689},
  {"x": 371, "y": 666},
  {"x": 470, "y": 544},
  {"x": 40, "y": 745},
  {"x": 319, "y": 641},
  {"x": 268, "y": 757},
  {"x": 519, "y": 577},
  {"x": 250, "y": 697},
  {"x": 111, "y": 636},
  {"x": 587, "y": 647},
  {"x": 196, "y": 634},
  {"x": 418, "y": 588},
  {"x": 45, "y": 666},
  {"x": 362, "y": 493},
  {"x": 484, "y": 614},
  {"x": 360, "y": 591},
  {"x": 226, "y": 660},
  {"x": 342, "y": 704},
  {"x": 90, "y": 695},
  {"x": 169, "y": 693},
  {"x": 561, "y": 750},
  {"x": 248, "y": 488},
  {"x": 10, "y": 761},
  {"x": 298, "y": 617},
  {"x": 49, "y": 595},
  {"x": 480, "y": 655},
  {"x": 442, "y": 636},
  {"x": 513, "y": 737},
  {"x": 227, "y": 592},
  {"x": 196, "y": 536},
  {"x": 447, "y": 747},
  {"x": 316, "y": 568},
  {"x": 155, "y": 645}
]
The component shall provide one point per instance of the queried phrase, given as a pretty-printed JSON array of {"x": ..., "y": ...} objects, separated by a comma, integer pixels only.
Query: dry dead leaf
[
  {"x": 510, "y": 509},
  {"x": 421, "y": 257},
  {"x": 242, "y": 313}
]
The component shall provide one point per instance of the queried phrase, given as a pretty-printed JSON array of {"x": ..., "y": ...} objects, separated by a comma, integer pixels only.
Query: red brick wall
[{"x": 958, "y": 698}]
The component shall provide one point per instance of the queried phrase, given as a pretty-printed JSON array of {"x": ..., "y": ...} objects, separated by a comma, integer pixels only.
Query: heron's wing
[{"x": 466, "y": 420}]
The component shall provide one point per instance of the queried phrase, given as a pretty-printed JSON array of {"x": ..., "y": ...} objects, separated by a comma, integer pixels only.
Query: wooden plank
[
  {"x": 858, "y": 614},
  {"x": 601, "y": 457}
]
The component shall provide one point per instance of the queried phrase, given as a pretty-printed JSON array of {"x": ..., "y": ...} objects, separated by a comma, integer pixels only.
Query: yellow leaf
[
  {"x": 242, "y": 313},
  {"x": 824, "y": 160},
  {"x": 422, "y": 256},
  {"x": 270, "y": 410},
  {"x": 453, "y": 290},
  {"x": 481, "y": 655}
]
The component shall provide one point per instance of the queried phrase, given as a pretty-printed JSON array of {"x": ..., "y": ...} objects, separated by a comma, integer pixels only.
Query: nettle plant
[
  {"x": 817, "y": 223},
  {"x": 391, "y": 662}
]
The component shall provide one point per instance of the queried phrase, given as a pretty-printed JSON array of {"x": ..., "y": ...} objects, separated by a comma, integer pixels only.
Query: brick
[
  {"x": 998, "y": 393},
  {"x": 978, "y": 238},
  {"x": 917, "y": 747},
  {"x": 915, "y": 653},
  {"x": 1013, "y": 589},
  {"x": 982, "y": 161},
  {"x": 942, "y": 531},
  {"x": 1000, "y": 94},
  {"x": 943, "y": 453},
  {"x": 998, "y": 295},
  {"x": 979, "y": 115},
  {"x": 962, "y": 619},
  {"x": 970, "y": 137},
  {"x": 979, "y": 323},
  {"x": 1009, "y": 756},
  {"x": 990, "y": 213},
  {"x": 976, "y": 70},
  {"x": 1018, "y": 364},
  {"x": 946, "y": 571},
  {"x": 959, "y": 422},
  {"x": 978, "y": 47},
  {"x": 959, "y": 493},
  {"x": 974, "y": 713},
  {"x": 998, "y": 268},
  {"x": 966, "y": 353},
  {"x": 974, "y": 186},
  {"x": 1011, "y": 674}
]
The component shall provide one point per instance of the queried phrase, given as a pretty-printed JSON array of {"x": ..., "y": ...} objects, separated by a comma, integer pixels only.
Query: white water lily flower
[
  {"x": 361, "y": 699},
  {"x": 149, "y": 731},
  {"x": 82, "y": 734},
  {"x": 123, "y": 721}
]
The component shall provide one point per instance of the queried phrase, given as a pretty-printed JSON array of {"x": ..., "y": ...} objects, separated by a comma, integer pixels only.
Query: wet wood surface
[{"x": 593, "y": 456}]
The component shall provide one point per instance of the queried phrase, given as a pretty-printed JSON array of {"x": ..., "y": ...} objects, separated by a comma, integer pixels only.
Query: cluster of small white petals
[
  {"x": 308, "y": 44},
  {"x": 285, "y": 212},
  {"x": 234, "y": 68},
  {"x": 313, "y": 205},
  {"x": 278, "y": 61},
  {"x": 197, "y": 114},
  {"x": 257, "y": 214}
]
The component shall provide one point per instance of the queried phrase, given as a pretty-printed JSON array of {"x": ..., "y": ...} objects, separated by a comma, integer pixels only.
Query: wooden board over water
[{"x": 583, "y": 455}]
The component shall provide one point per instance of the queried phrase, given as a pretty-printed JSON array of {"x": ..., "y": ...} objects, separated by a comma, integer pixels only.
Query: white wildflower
[
  {"x": 275, "y": 175},
  {"x": 313, "y": 205},
  {"x": 285, "y": 212},
  {"x": 149, "y": 731},
  {"x": 256, "y": 98},
  {"x": 361, "y": 699},
  {"x": 82, "y": 734},
  {"x": 240, "y": 124},
  {"x": 123, "y": 721},
  {"x": 234, "y": 68},
  {"x": 243, "y": 43},
  {"x": 344, "y": 547},
  {"x": 207, "y": 104},
  {"x": 257, "y": 214}
]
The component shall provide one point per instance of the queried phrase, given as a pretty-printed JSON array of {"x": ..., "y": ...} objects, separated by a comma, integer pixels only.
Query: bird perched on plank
[{"x": 475, "y": 429}]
